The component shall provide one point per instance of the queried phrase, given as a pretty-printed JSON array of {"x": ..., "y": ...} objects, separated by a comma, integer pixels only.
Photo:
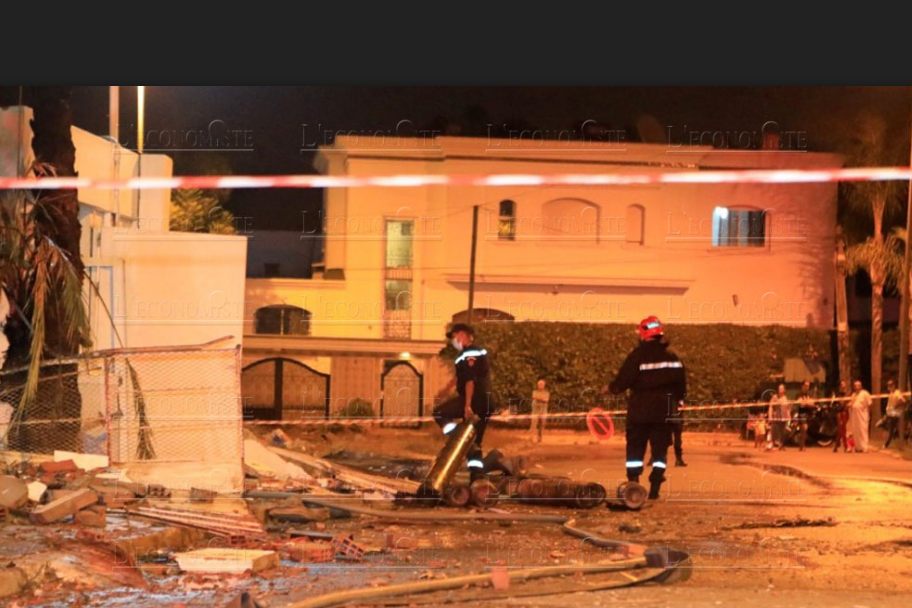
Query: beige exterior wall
[
  {"x": 558, "y": 268},
  {"x": 161, "y": 287}
]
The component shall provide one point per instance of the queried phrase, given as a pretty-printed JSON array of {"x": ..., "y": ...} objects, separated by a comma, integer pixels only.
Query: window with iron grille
[{"x": 506, "y": 224}]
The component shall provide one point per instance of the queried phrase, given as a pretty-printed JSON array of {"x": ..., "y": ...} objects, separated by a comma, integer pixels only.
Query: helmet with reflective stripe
[{"x": 649, "y": 328}]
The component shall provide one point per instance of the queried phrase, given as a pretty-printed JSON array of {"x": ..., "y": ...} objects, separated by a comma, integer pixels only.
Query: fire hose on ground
[{"x": 669, "y": 564}]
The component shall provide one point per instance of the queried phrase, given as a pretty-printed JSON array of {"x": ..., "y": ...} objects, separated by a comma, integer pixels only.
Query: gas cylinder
[{"x": 450, "y": 458}]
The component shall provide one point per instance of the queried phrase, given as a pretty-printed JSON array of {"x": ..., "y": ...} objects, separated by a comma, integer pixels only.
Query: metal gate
[
  {"x": 402, "y": 387},
  {"x": 279, "y": 388}
]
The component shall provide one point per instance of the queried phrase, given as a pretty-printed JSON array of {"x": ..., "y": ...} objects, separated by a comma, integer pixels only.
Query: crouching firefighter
[
  {"x": 473, "y": 399},
  {"x": 656, "y": 379}
]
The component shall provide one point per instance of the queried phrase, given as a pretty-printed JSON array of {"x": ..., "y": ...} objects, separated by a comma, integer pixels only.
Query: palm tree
[
  {"x": 47, "y": 318},
  {"x": 876, "y": 200},
  {"x": 42, "y": 273}
]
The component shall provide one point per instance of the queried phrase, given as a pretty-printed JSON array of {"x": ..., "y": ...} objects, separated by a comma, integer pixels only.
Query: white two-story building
[{"x": 396, "y": 264}]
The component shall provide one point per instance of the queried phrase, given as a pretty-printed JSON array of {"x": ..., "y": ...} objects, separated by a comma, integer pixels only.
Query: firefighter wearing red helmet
[{"x": 656, "y": 380}]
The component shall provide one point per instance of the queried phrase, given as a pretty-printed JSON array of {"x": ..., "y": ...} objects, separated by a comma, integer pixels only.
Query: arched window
[
  {"x": 506, "y": 223},
  {"x": 283, "y": 320},
  {"x": 635, "y": 224},
  {"x": 571, "y": 219}
]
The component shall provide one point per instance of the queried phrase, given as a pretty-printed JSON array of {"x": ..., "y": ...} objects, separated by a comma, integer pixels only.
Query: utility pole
[
  {"x": 472, "y": 264},
  {"x": 904, "y": 311}
]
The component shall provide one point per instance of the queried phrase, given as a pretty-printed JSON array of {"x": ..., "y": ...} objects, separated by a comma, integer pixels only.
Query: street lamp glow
[{"x": 140, "y": 120}]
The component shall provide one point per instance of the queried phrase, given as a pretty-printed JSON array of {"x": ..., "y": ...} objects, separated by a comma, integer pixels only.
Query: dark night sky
[{"x": 265, "y": 123}]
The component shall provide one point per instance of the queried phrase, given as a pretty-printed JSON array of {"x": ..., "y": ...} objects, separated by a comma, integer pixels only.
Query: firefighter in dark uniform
[
  {"x": 473, "y": 392},
  {"x": 656, "y": 379}
]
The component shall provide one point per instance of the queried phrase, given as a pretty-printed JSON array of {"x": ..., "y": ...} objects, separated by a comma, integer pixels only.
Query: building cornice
[
  {"x": 315, "y": 346},
  {"x": 507, "y": 280}
]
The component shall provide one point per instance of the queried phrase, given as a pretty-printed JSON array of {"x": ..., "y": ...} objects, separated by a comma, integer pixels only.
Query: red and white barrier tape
[
  {"x": 747, "y": 176},
  {"x": 516, "y": 417}
]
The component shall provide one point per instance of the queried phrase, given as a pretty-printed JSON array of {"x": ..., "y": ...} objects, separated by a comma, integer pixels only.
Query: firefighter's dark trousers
[
  {"x": 678, "y": 430},
  {"x": 658, "y": 437},
  {"x": 445, "y": 415}
]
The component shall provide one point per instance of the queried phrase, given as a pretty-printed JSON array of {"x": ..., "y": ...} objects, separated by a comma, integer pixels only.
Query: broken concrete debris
[
  {"x": 227, "y": 525},
  {"x": 285, "y": 515},
  {"x": 14, "y": 493},
  {"x": 64, "y": 506},
  {"x": 298, "y": 514},
  {"x": 36, "y": 491},
  {"x": 94, "y": 516},
  {"x": 308, "y": 551},
  {"x": 228, "y": 560}
]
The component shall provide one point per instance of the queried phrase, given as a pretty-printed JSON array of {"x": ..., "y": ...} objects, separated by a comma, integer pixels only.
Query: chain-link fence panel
[{"x": 169, "y": 416}]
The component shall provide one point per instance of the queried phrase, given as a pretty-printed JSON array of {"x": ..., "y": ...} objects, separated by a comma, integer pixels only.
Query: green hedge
[{"x": 724, "y": 362}]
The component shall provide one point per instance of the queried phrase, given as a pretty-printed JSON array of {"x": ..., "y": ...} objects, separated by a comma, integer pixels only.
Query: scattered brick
[
  {"x": 64, "y": 506},
  {"x": 64, "y": 466},
  {"x": 347, "y": 547}
]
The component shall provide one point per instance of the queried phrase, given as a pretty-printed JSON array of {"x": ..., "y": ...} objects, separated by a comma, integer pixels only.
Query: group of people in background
[
  {"x": 854, "y": 416},
  {"x": 852, "y": 412}
]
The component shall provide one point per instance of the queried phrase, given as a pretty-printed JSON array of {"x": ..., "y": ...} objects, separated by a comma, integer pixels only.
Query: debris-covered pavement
[{"x": 328, "y": 512}]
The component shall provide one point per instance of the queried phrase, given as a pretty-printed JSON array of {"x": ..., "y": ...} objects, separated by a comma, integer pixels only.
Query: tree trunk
[
  {"x": 53, "y": 145},
  {"x": 877, "y": 287},
  {"x": 842, "y": 312},
  {"x": 877, "y": 273}
]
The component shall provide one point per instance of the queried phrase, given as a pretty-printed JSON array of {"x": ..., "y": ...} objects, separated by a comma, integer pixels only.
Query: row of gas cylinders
[
  {"x": 542, "y": 491},
  {"x": 501, "y": 480}
]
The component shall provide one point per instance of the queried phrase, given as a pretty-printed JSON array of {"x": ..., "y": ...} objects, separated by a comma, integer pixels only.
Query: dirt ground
[{"x": 728, "y": 509}]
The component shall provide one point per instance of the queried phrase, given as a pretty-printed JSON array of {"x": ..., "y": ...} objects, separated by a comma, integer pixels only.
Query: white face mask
[{"x": 456, "y": 344}]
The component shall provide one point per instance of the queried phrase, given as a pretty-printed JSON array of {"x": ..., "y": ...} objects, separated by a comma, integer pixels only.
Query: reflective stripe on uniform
[
  {"x": 448, "y": 428},
  {"x": 660, "y": 365},
  {"x": 471, "y": 353},
  {"x": 659, "y": 464},
  {"x": 476, "y": 464},
  {"x": 631, "y": 464}
]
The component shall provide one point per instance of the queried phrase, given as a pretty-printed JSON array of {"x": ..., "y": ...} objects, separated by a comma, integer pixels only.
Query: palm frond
[
  {"x": 865, "y": 256},
  {"x": 39, "y": 276},
  {"x": 39, "y": 295}
]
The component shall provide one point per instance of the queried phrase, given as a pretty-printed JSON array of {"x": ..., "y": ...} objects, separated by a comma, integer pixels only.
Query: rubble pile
[{"x": 76, "y": 525}]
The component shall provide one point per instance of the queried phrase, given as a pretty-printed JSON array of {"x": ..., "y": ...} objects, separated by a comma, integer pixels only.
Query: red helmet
[{"x": 649, "y": 328}]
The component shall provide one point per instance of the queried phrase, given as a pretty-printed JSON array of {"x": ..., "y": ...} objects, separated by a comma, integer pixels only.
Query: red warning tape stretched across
[
  {"x": 749, "y": 176},
  {"x": 601, "y": 419}
]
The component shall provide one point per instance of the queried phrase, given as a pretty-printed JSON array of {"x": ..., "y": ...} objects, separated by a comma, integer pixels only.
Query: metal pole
[
  {"x": 904, "y": 310},
  {"x": 140, "y": 141},
  {"x": 471, "y": 310},
  {"x": 114, "y": 113}
]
